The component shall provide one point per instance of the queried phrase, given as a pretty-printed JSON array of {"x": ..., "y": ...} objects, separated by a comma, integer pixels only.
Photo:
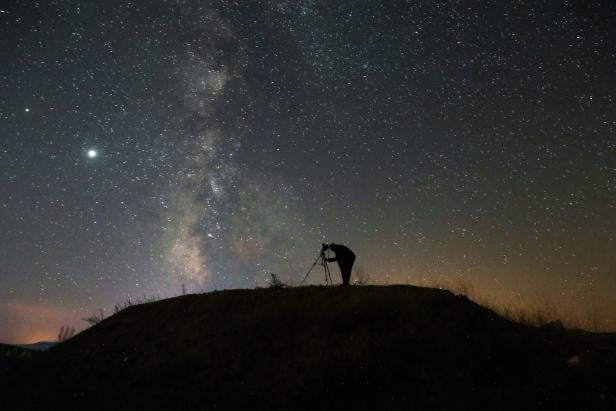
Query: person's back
[
  {"x": 342, "y": 252},
  {"x": 345, "y": 258}
]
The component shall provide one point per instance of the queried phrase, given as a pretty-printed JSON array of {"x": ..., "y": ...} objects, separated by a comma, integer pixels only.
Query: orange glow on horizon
[{"x": 31, "y": 322}]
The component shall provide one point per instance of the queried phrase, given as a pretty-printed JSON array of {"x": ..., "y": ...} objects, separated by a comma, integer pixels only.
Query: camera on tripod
[{"x": 321, "y": 260}]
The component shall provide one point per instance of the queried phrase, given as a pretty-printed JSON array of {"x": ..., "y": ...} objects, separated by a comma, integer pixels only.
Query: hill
[
  {"x": 13, "y": 359},
  {"x": 395, "y": 347}
]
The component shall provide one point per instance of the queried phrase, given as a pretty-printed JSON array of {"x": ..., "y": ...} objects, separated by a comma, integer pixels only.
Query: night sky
[{"x": 150, "y": 144}]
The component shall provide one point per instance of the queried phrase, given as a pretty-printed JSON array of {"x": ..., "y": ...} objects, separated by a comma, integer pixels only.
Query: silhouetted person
[{"x": 345, "y": 258}]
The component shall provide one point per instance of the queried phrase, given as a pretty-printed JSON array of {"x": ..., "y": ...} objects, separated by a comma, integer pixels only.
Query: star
[{"x": 215, "y": 154}]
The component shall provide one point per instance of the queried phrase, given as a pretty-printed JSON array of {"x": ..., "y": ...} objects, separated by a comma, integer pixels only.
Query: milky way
[{"x": 148, "y": 145}]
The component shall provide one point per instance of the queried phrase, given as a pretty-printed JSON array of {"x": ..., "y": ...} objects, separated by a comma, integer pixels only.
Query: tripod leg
[
  {"x": 328, "y": 276},
  {"x": 313, "y": 264},
  {"x": 325, "y": 270}
]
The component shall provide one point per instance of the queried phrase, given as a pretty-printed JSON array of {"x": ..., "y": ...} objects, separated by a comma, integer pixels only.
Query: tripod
[{"x": 321, "y": 260}]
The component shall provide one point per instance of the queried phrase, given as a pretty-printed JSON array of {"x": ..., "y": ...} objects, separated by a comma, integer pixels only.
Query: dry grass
[
  {"x": 543, "y": 314},
  {"x": 546, "y": 313},
  {"x": 139, "y": 301},
  {"x": 372, "y": 347}
]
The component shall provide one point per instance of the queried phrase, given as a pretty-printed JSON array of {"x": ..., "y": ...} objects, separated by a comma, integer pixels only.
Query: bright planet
[{"x": 444, "y": 142}]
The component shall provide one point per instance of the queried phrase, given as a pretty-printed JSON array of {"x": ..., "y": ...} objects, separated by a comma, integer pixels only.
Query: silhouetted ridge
[{"x": 321, "y": 348}]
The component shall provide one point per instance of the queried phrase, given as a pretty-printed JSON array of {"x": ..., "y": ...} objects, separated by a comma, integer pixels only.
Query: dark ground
[{"x": 380, "y": 348}]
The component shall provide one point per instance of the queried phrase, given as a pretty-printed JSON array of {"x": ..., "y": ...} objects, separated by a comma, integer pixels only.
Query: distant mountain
[
  {"x": 318, "y": 348},
  {"x": 39, "y": 346}
]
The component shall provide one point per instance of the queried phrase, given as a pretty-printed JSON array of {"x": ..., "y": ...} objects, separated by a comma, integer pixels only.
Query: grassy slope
[
  {"x": 314, "y": 347},
  {"x": 14, "y": 358}
]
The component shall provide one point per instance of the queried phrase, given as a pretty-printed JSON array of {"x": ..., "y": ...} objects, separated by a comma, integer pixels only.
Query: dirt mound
[{"x": 395, "y": 347}]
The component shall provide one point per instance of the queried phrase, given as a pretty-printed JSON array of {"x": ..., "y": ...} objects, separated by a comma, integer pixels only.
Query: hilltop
[{"x": 394, "y": 347}]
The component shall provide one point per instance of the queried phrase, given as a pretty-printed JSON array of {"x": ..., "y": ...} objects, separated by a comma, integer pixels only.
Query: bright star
[{"x": 92, "y": 153}]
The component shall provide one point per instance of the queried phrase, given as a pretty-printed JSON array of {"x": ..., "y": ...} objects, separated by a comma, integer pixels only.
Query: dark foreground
[{"x": 378, "y": 348}]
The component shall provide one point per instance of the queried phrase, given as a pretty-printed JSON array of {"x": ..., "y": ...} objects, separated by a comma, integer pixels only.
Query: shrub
[
  {"x": 95, "y": 318},
  {"x": 65, "y": 333},
  {"x": 275, "y": 282}
]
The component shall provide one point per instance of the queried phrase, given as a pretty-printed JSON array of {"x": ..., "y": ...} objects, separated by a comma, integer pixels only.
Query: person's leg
[
  {"x": 349, "y": 269},
  {"x": 345, "y": 270}
]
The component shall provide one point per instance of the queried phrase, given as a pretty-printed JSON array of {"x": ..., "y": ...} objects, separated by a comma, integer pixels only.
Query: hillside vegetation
[{"x": 394, "y": 347}]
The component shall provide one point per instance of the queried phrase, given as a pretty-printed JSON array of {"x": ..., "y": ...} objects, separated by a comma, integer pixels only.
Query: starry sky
[{"x": 150, "y": 144}]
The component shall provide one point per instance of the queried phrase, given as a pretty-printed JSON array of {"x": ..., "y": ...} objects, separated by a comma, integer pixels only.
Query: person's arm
[{"x": 324, "y": 250}]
